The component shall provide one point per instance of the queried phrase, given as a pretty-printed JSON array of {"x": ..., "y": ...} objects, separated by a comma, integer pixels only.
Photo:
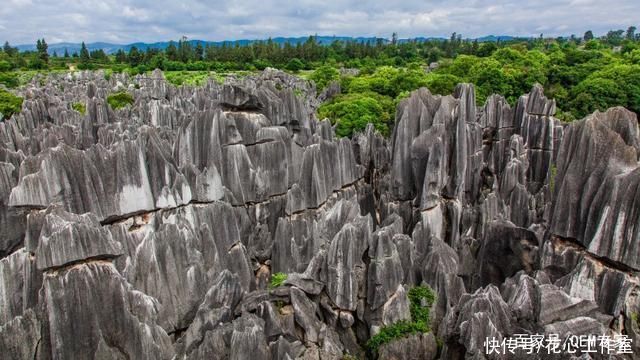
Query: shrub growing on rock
[
  {"x": 277, "y": 279},
  {"x": 119, "y": 100},
  {"x": 79, "y": 107},
  {"x": 9, "y": 104},
  {"x": 420, "y": 299}
]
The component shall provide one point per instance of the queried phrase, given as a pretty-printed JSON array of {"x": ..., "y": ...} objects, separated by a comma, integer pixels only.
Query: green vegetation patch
[
  {"x": 277, "y": 279},
  {"x": 323, "y": 75},
  {"x": 9, "y": 104},
  {"x": 79, "y": 107},
  {"x": 582, "y": 74},
  {"x": 294, "y": 65},
  {"x": 191, "y": 78},
  {"x": 387, "y": 80},
  {"x": 352, "y": 112},
  {"x": 120, "y": 100},
  {"x": 420, "y": 298},
  {"x": 9, "y": 79}
]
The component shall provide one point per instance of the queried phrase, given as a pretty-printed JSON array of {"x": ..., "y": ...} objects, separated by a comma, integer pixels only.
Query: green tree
[
  {"x": 85, "y": 58},
  {"x": 5, "y": 66},
  {"x": 627, "y": 80},
  {"x": 158, "y": 61},
  {"x": 631, "y": 33},
  {"x": 7, "y": 78},
  {"x": 135, "y": 57},
  {"x": 99, "y": 55},
  {"x": 460, "y": 66},
  {"x": 43, "y": 51},
  {"x": 323, "y": 75},
  {"x": 486, "y": 49},
  {"x": 199, "y": 52},
  {"x": 490, "y": 78},
  {"x": 442, "y": 84},
  {"x": 121, "y": 56},
  {"x": 294, "y": 65},
  {"x": 588, "y": 35},
  {"x": 352, "y": 112},
  {"x": 634, "y": 56},
  {"x": 172, "y": 51},
  {"x": 9, "y": 50},
  {"x": 595, "y": 94},
  {"x": 614, "y": 37}
]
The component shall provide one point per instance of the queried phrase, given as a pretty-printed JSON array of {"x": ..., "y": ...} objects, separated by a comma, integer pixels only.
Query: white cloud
[
  {"x": 156, "y": 20},
  {"x": 135, "y": 13},
  {"x": 20, "y": 2}
]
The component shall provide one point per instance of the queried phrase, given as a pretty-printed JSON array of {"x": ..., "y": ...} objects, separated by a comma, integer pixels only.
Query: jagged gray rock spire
[{"x": 153, "y": 231}]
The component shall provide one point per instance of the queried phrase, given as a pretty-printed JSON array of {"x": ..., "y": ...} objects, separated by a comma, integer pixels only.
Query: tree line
[
  {"x": 583, "y": 74},
  {"x": 200, "y": 56}
]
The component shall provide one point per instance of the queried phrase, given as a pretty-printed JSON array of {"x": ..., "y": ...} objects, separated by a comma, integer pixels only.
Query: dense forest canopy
[{"x": 583, "y": 74}]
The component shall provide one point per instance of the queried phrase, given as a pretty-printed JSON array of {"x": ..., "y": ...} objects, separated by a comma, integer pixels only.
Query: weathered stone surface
[
  {"x": 216, "y": 309},
  {"x": 152, "y": 231},
  {"x": 506, "y": 249},
  {"x": 12, "y": 284},
  {"x": 385, "y": 268},
  {"x": 283, "y": 349},
  {"x": 12, "y": 223},
  {"x": 305, "y": 314},
  {"x": 396, "y": 308},
  {"x": 596, "y": 185},
  {"x": 113, "y": 315},
  {"x": 345, "y": 268},
  {"x": 66, "y": 238},
  {"x": 108, "y": 183},
  {"x": 478, "y": 316},
  {"x": 414, "y": 347},
  {"x": 248, "y": 339},
  {"x": 20, "y": 337},
  {"x": 556, "y": 305}
]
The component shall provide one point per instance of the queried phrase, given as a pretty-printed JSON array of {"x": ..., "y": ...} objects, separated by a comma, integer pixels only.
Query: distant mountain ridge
[{"x": 111, "y": 48}]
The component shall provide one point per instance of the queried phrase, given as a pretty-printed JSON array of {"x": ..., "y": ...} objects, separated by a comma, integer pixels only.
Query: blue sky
[{"x": 126, "y": 21}]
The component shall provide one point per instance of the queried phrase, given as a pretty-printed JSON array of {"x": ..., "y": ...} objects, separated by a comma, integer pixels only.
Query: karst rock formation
[{"x": 152, "y": 232}]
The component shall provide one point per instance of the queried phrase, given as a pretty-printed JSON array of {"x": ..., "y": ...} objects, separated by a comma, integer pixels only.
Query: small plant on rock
[
  {"x": 277, "y": 279},
  {"x": 420, "y": 299},
  {"x": 79, "y": 107}
]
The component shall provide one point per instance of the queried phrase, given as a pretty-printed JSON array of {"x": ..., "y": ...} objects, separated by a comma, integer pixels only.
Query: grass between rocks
[
  {"x": 119, "y": 100},
  {"x": 420, "y": 299},
  {"x": 277, "y": 279},
  {"x": 193, "y": 78},
  {"x": 79, "y": 107},
  {"x": 200, "y": 78}
]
